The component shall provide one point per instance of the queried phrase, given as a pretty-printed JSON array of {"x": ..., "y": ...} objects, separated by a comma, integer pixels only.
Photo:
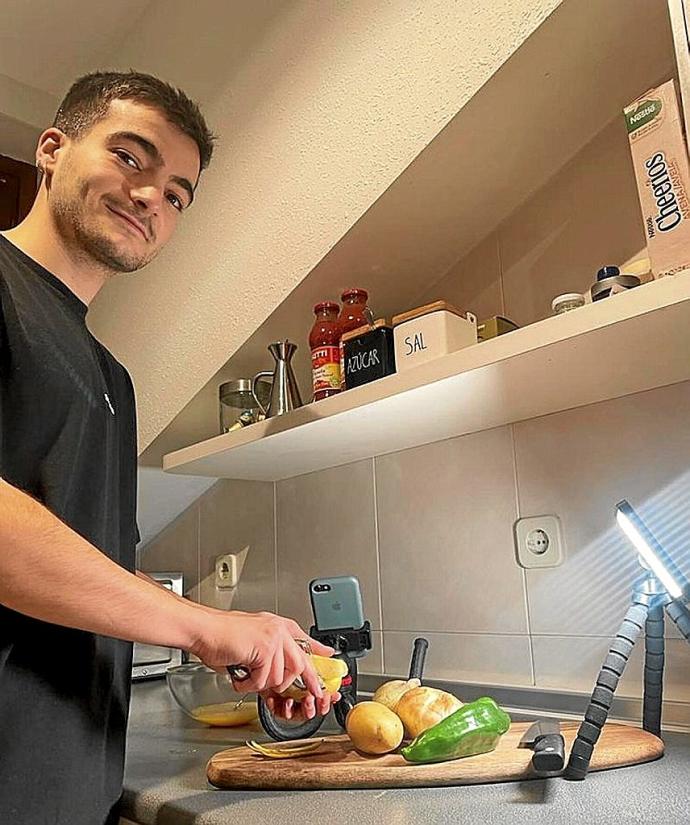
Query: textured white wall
[{"x": 321, "y": 106}]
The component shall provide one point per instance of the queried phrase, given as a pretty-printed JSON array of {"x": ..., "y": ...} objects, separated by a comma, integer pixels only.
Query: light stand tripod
[{"x": 657, "y": 590}]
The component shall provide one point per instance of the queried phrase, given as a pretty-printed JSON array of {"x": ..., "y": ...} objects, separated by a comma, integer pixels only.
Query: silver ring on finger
[{"x": 304, "y": 644}]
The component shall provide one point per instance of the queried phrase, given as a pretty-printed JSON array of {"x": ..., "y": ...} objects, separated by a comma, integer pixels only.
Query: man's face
[{"x": 116, "y": 192}]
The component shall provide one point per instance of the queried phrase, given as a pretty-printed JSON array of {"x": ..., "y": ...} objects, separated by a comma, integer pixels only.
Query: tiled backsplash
[{"x": 429, "y": 531}]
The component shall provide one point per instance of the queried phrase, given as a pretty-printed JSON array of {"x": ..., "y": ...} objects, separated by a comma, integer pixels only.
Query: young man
[{"x": 120, "y": 166}]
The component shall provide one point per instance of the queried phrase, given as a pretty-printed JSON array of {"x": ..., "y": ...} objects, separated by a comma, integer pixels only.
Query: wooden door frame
[{"x": 28, "y": 181}]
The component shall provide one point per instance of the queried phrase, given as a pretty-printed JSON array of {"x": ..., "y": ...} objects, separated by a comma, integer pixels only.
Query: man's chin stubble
[
  {"x": 107, "y": 253},
  {"x": 88, "y": 241}
]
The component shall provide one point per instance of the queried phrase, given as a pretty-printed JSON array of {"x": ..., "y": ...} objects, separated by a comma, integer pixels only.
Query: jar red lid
[
  {"x": 328, "y": 306},
  {"x": 355, "y": 292}
]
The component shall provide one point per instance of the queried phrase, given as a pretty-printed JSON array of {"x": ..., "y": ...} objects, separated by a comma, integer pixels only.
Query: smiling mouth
[{"x": 130, "y": 222}]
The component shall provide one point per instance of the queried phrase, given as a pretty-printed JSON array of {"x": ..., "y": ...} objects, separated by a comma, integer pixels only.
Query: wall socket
[
  {"x": 229, "y": 569},
  {"x": 226, "y": 571},
  {"x": 539, "y": 541}
]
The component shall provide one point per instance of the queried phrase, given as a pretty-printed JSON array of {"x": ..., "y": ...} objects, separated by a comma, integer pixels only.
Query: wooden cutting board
[{"x": 338, "y": 765}]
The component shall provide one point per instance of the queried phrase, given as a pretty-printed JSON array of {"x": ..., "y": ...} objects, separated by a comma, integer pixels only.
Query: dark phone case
[{"x": 340, "y": 608}]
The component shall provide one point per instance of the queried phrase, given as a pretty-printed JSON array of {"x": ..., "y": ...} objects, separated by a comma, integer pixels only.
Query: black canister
[{"x": 369, "y": 354}]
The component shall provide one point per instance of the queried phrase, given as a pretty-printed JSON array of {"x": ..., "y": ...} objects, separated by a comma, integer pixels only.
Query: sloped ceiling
[
  {"x": 47, "y": 45},
  {"x": 318, "y": 111},
  {"x": 319, "y": 107}
]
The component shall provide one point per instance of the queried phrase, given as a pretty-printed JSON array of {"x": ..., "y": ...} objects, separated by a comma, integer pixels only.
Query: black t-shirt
[{"x": 68, "y": 438}]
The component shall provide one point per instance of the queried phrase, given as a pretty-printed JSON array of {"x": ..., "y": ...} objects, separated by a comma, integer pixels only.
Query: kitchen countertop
[{"x": 165, "y": 784}]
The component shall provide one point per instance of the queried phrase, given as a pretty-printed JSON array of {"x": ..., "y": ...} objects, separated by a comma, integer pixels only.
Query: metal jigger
[{"x": 661, "y": 588}]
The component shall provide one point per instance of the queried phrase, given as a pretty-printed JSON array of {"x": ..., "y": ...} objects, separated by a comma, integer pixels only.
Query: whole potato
[
  {"x": 390, "y": 693},
  {"x": 374, "y": 728},
  {"x": 423, "y": 707}
]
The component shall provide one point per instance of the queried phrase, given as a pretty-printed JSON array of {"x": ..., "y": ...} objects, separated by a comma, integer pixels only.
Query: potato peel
[{"x": 286, "y": 751}]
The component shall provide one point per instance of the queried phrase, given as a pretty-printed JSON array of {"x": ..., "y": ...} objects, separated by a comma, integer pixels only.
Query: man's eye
[
  {"x": 125, "y": 157},
  {"x": 175, "y": 201}
]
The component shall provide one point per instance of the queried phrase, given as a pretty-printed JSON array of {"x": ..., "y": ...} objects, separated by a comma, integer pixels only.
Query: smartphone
[{"x": 336, "y": 603}]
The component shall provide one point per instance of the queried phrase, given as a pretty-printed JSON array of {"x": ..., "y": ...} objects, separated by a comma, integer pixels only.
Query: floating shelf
[{"x": 634, "y": 341}]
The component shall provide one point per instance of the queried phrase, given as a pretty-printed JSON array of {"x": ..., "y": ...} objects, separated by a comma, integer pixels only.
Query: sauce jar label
[{"x": 325, "y": 368}]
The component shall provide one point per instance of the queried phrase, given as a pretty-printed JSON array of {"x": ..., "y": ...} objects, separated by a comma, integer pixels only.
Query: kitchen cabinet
[{"x": 568, "y": 79}]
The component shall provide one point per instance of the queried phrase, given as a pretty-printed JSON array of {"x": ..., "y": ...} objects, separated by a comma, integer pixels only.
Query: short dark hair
[{"x": 89, "y": 98}]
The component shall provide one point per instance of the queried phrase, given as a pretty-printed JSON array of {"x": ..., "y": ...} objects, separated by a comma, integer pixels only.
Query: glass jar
[
  {"x": 324, "y": 342},
  {"x": 238, "y": 407},
  {"x": 355, "y": 313}
]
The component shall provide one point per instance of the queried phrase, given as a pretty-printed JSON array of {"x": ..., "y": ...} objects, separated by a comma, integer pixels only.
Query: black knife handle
[
  {"x": 418, "y": 657},
  {"x": 549, "y": 753}
]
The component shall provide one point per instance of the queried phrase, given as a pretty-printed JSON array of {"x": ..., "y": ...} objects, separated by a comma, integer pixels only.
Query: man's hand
[
  {"x": 298, "y": 711},
  {"x": 266, "y": 645}
]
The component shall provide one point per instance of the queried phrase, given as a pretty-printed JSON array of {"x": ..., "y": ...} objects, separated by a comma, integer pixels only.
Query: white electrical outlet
[
  {"x": 226, "y": 571},
  {"x": 229, "y": 569},
  {"x": 539, "y": 541}
]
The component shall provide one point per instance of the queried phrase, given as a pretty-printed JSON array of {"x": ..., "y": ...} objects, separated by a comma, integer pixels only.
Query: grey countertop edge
[{"x": 165, "y": 781}]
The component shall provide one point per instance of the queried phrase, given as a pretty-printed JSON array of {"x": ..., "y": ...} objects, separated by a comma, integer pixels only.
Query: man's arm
[
  {"x": 146, "y": 578},
  {"x": 50, "y": 572}
]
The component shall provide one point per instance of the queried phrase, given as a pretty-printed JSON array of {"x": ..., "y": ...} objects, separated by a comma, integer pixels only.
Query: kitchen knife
[
  {"x": 544, "y": 737},
  {"x": 421, "y": 646}
]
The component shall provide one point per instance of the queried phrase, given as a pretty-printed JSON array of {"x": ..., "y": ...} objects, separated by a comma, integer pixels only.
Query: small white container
[
  {"x": 430, "y": 331},
  {"x": 567, "y": 302}
]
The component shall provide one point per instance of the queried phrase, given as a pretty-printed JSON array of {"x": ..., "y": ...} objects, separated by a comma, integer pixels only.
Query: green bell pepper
[{"x": 474, "y": 728}]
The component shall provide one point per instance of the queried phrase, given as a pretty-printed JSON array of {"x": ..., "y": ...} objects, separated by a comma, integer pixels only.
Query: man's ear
[{"x": 51, "y": 142}]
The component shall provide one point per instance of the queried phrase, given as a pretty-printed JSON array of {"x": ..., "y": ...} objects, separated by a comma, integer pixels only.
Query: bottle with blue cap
[{"x": 610, "y": 280}]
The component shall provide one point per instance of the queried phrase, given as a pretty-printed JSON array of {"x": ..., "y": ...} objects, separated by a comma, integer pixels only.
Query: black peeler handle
[
  {"x": 240, "y": 673},
  {"x": 421, "y": 646}
]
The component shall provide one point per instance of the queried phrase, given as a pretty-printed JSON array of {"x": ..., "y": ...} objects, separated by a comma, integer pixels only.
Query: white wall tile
[
  {"x": 235, "y": 515},
  {"x": 326, "y": 527},
  {"x": 445, "y": 514},
  {"x": 463, "y": 657},
  {"x": 175, "y": 549},
  {"x": 573, "y": 663},
  {"x": 373, "y": 661},
  {"x": 578, "y": 465}
]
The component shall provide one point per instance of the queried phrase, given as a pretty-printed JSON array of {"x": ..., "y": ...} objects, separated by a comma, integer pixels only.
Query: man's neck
[{"x": 38, "y": 237}]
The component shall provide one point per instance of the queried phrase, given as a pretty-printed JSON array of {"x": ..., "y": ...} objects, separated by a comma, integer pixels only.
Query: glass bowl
[{"x": 209, "y": 697}]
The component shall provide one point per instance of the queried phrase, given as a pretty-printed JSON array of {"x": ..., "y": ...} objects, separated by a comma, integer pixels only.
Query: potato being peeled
[
  {"x": 374, "y": 728},
  {"x": 331, "y": 672},
  {"x": 423, "y": 707},
  {"x": 390, "y": 693}
]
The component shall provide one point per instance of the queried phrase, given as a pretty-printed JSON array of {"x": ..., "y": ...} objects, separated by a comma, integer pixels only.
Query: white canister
[{"x": 431, "y": 331}]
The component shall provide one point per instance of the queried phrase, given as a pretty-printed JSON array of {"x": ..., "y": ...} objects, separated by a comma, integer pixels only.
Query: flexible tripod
[{"x": 649, "y": 601}]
